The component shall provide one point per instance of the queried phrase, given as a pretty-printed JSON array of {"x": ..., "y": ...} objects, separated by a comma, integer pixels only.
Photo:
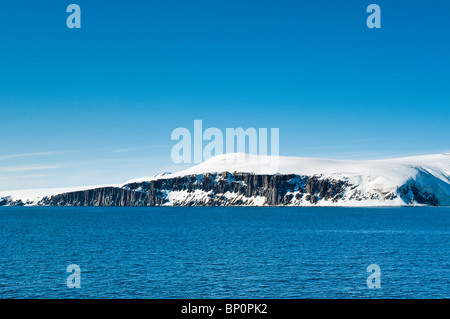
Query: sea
[{"x": 224, "y": 252}]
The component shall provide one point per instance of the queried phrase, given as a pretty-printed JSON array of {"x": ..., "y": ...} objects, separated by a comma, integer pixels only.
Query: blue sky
[{"x": 97, "y": 105}]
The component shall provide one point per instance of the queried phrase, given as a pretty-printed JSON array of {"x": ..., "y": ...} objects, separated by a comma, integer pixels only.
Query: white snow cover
[
  {"x": 371, "y": 176},
  {"x": 388, "y": 173}
]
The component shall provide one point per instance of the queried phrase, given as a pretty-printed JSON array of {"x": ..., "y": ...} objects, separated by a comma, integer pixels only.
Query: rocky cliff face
[{"x": 226, "y": 189}]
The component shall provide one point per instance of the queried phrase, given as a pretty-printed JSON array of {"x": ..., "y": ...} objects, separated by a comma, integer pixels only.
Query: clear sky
[{"x": 97, "y": 105}]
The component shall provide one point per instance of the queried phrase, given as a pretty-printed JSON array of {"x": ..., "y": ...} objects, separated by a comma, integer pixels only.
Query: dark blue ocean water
[{"x": 224, "y": 252}]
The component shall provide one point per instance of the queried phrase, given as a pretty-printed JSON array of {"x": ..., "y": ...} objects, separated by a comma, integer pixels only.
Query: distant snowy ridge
[{"x": 251, "y": 180}]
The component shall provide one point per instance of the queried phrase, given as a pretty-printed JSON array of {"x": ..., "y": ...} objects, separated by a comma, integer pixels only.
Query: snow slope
[
  {"x": 374, "y": 173},
  {"x": 431, "y": 172}
]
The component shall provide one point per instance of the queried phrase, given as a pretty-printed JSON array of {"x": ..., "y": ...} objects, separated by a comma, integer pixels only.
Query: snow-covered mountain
[{"x": 241, "y": 179}]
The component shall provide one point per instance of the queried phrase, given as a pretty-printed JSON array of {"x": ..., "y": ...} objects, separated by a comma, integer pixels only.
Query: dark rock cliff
[
  {"x": 224, "y": 189},
  {"x": 244, "y": 188}
]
